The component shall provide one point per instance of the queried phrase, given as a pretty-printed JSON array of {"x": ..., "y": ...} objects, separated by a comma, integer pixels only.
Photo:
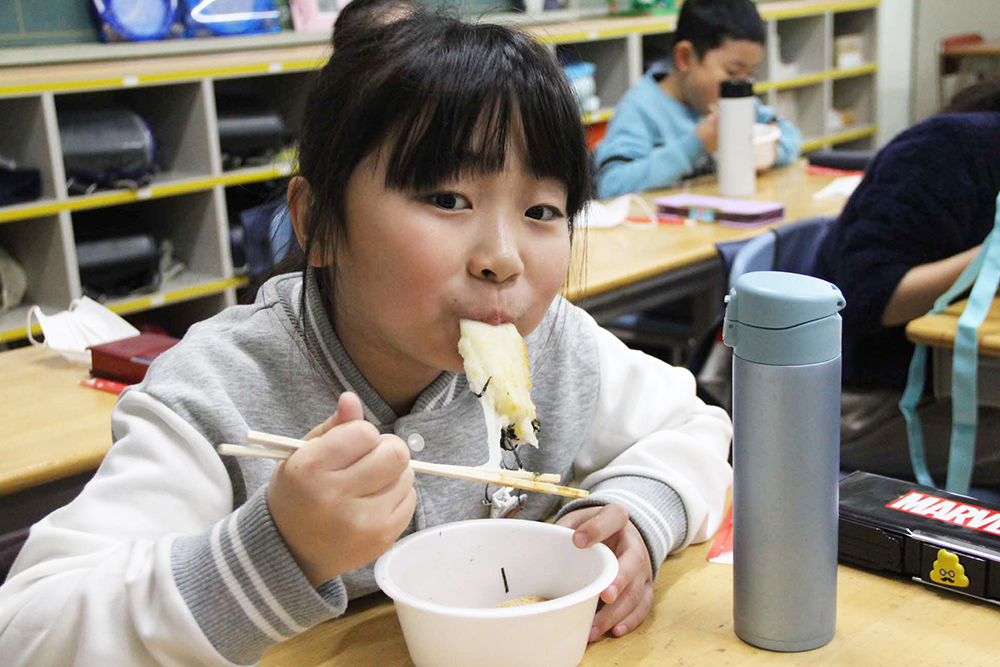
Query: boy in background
[{"x": 666, "y": 127}]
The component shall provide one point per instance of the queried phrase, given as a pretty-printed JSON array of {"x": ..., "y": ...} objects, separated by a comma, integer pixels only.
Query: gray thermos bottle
[{"x": 785, "y": 332}]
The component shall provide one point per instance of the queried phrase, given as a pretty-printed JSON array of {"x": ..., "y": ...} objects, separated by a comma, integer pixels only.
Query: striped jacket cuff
[
  {"x": 243, "y": 586},
  {"x": 653, "y": 507}
]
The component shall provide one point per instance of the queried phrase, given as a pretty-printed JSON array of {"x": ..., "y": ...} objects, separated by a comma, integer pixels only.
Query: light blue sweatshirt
[{"x": 651, "y": 142}]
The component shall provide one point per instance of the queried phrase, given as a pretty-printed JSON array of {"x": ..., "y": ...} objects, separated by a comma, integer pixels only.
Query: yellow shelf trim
[
  {"x": 146, "y": 303},
  {"x": 86, "y": 202},
  {"x": 813, "y": 9},
  {"x": 22, "y": 212},
  {"x": 172, "y": 296},
  {"x": 598, "y": 116},
  {"x": 854, "y": 71},
  {"x": 842, "y": 137}
]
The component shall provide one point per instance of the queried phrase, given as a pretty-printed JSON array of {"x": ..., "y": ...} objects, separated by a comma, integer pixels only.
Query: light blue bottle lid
[{"x": 783, "y": 319}]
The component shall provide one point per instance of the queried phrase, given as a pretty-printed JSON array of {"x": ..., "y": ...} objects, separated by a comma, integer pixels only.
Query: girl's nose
[{"x": 496, "y": 257}]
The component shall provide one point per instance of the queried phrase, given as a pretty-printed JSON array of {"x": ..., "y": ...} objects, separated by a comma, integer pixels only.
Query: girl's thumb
[{"x": 348, "y": 409}]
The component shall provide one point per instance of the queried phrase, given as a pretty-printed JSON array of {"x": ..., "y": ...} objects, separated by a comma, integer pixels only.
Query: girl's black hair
[
  {"x": 435, "y": 98},
  {"x": 358, "y": 16},
  {"x": 709, "y": 23}
]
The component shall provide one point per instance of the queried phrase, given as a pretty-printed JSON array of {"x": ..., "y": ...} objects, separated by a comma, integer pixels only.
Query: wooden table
[
  {"x": 629, "y": 269},
  {"x": 52, "y": 427},
  {"x": 55, "y": 428},
  {"x": 881, "y": 620},
  {"x": 938, "y": 333},
  {"x": 987, "y": 49}
]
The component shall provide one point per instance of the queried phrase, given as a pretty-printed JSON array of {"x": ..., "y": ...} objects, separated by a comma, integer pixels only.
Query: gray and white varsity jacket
[{"x": 170, "y": 556}]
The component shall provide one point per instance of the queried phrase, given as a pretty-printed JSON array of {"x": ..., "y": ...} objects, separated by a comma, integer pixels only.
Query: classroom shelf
[
  {"x": 190, "y": 200},
  {"x": 185, "y": 287},
  {"x": 161, "y": 186},
  {"x": 34, "y": 209},
  {"x": 13, "y": 324}
]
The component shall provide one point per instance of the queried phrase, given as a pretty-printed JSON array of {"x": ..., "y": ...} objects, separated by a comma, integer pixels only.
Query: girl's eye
[
  {"x": 449, "y": 201},
  {"x": 544, "y": 213}
]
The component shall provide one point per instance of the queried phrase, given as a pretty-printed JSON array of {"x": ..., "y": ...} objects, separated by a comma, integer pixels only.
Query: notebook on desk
[
  {"x": 738, "y": 212},
  {"x": 127, "y": 359}
]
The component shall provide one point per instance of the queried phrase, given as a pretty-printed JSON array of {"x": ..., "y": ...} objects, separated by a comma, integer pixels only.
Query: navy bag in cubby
[
  {"x": 207, "y": 18},
  {"x": 138, "y": 20}
]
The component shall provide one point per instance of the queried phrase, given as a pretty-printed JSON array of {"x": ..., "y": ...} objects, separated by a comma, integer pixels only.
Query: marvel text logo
[{"x": 949, "y": 511}]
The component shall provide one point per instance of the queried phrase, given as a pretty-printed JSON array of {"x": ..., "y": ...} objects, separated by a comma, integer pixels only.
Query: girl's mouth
[{"x": 494, "y": 317}]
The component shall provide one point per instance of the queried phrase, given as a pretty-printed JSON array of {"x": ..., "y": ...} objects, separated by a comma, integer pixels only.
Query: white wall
[
  {"x": 895, "y": 34},
  {"x": 935, "y": 19}
]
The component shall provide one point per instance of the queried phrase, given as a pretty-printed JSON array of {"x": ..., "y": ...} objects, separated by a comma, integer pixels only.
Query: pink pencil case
[{"x": 723, "y": 210}]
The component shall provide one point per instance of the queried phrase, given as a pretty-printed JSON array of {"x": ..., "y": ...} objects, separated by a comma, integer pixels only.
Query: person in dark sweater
[{"x": 917, "y": 219}]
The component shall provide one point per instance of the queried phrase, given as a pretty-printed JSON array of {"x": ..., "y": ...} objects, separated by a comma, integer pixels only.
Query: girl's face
[{"x": 493, "y": 248}]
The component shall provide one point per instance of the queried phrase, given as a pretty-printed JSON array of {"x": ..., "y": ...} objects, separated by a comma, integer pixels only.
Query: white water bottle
[{"x": 737, "y": 111}]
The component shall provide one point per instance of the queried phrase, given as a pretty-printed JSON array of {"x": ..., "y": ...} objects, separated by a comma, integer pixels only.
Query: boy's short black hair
[{"x": 708, "y": 23}]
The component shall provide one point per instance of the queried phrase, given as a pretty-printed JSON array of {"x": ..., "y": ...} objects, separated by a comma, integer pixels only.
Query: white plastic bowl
[
  {"x": 446, "y": 582},
  {"x": 765, "y": 145}
]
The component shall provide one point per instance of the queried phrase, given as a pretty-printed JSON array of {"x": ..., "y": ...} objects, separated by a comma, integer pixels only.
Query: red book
[{"x": 126, "y": 360}]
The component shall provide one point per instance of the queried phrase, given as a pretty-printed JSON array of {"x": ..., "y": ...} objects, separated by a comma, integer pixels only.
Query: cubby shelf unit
[{"x": 177, "y": 94}]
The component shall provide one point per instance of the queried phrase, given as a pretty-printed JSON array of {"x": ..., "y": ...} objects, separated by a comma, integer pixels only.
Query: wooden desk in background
[
  {"x": 987, "y": 50},
  {"x": 630, "y": 269},
  {"x": 881, "y": 620},
  {"x": 938, "y": 333},
  {"x": 54, "y": 428}
]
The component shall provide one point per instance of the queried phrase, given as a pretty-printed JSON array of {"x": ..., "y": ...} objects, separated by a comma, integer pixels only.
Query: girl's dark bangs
[
  {"x": 445, "y": 137},
  {"x": 445, "y": 128}
]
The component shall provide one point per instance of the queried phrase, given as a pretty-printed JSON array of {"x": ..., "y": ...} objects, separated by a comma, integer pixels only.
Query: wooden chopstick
[
  {"x": 271, "y": 446},
  {"x": 291, "y": 444}
]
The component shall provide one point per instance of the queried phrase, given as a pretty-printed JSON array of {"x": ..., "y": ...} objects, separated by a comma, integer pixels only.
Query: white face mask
[
  {"x": 72, "y": 331},
  {"x": 596, "y": 215}
]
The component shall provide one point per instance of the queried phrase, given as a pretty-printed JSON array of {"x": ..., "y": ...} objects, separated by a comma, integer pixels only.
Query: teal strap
[{"x": 983, "y": 273}]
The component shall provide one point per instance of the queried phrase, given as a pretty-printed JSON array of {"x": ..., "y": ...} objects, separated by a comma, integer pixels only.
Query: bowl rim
[
  {"x": 608, "y": 573},
  {"x": 773, "y": 135}
]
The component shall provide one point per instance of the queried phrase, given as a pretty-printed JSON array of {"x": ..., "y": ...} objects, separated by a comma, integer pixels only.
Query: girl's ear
[
  {"x": 685, "y": 57},
  {"x": 299, "y": 201}
]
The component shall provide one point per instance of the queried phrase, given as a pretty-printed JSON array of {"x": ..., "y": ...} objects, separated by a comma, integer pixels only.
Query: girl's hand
[
  {"x": 630, "y": 596},
  {"x": 343, "y": 499}
]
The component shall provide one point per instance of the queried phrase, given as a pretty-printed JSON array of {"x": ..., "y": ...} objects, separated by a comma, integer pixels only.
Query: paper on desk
[
  {"x": 598, "y": 215},
  {"x": 839, "y": 188},
  {"x": 722, "y": 547}
]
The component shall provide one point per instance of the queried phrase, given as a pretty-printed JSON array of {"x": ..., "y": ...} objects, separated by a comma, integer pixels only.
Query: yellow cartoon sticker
[{"x": 947, "y": 571}]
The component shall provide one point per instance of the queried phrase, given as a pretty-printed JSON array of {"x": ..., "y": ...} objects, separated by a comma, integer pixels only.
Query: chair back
[
  {"x": 791, "y": 248},
  {"x": 10, "y": 546}
]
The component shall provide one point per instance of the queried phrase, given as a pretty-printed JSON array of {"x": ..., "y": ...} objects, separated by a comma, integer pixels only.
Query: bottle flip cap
[
  {"x": 783, "y": 319},
  {"x": 736, "y": 88}
]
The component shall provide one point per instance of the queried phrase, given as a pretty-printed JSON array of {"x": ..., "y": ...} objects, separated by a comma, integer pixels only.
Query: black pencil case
[{"x": 941, "y": 539}]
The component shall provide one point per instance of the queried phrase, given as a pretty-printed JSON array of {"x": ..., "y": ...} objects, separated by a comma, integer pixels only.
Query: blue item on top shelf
[
  {"x": 578, "y": 70},
  {"x": 207, "y": 18},
  {"x": 138, "y": 20}
]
